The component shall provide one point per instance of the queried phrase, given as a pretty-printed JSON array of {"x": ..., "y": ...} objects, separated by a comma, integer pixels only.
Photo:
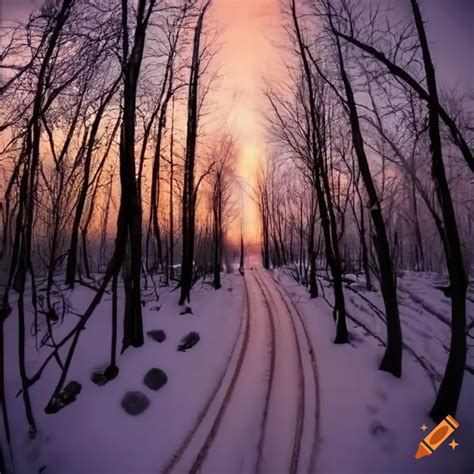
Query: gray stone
[
  {"x": 135, "y": 403},
  {"x": 66, "y": 396},
  {"x": 155, "y": 379},
  {"x": 70, "y": 392},
  {"x": 99, "y": 378},
  {"x": 188, "y": 341},
  {"x": 157, "y": 335}
]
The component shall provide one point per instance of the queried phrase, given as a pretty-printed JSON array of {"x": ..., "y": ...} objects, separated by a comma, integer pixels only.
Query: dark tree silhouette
[
  {"x": 189, "y": 189},
  {"x": 448, "y": 395}
]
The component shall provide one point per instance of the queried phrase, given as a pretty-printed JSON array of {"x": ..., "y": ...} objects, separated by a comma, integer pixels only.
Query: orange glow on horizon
[{"x": 248, "y": 32}]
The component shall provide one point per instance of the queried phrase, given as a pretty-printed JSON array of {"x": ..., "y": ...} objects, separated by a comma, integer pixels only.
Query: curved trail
[
  {"x": 292, "y": 305},
  {"x": 262, "y": 416},
  {"x": 223, "y": 387},
  {"x": 286, "y": 407},
  {"x": 268, "y": 394}
]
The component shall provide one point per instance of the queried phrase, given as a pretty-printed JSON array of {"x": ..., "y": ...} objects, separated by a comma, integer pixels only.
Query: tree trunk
[
  {"x": 313, "y": 284},
  {"x": 4, "y": 312},
  {"x": 72, "y": 253},
  {"x": 217, "y": 231},
  {"x": 130, "y": 204},
  {"x": 448, "y": 395},
  {"x": 242, "y": 256},
  {"x": 171, "y": 203},
  {"x": 21, "y": 258},
  {"x": 103, "y": 236},
  {"x": 332, "y": 252},
  {"x": 365, "y": 251},
  {"x": 189, "y": 195},
  {"x": 113, "y": 342},
  {"x": 392, "y": 360}
]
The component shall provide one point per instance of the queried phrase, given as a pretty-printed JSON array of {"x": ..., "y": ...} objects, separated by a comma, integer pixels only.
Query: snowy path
[{"x": 262, "y": 418}]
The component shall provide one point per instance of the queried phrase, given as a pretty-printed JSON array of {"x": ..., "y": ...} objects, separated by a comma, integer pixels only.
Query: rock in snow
[
  {"x": 99, "y": 378},
  {"x": 135, "y": 403},
  {"x": 71, "y": 391},
  {"x": 155, "y": 379},
  {"x": 67, "y": 395},
  {"x": 188, "y": 341},
  {"x": 157, "y": 335}
]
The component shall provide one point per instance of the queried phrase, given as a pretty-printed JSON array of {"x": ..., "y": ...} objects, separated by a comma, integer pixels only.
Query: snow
[
  {"x": 94, "y": 434},
  {"x": 235, "y": 449},
  {"x": 283, "y": 404},
  {"x": 367, "y": 420},
  {"x": 370, "y": 421}
]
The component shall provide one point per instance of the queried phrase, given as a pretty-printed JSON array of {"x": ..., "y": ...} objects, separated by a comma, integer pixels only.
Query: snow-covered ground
[
  {"x": 368, "y": 421},
  {"x": 94, "y": 435}
]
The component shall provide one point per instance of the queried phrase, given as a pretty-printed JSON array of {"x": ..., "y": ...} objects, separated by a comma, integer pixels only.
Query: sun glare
[{"x": 247, "y": 56}]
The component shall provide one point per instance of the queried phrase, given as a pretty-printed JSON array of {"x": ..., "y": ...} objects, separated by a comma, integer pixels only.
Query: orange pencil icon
[{"x": 437, "y": 437}]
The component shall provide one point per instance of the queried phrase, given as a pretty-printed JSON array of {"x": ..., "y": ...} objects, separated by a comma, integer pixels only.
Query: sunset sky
[
  {"x": 250, "y": 32},
  {"x": 250, "y": 29}
]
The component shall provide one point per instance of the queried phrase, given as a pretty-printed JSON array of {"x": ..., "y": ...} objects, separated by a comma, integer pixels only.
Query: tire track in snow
[
  {"x": 306, "y": 430},
  {"x": 292, "y": 305},
  {"x": 261, "y": 344},
  {"x": 213, "y": 399},
  {"x": 270, "y": 381},
  {"x": 281, "y": 313}
]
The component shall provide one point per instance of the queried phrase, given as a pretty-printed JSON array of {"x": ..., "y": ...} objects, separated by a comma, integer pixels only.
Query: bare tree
[
  {"x": 21, "y": 254},
  {"x": 189, "y": 188},
  {"x": 222, "y": 156},
  {"x": 389, "y": 61},
  {"x": 310, "y": 143},
  {"x": 450, "y": 389},
  {"x": 392, "y": 360},
  {"x": 129, "y": 224},
  {"x": 81, "y": 201}
]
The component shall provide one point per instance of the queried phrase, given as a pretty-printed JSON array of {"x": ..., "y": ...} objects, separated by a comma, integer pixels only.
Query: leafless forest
[
  {"x": 378, "y": 176},
  {"x": 111, "y": 180},
  {"x": 102, "y": 181}
]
